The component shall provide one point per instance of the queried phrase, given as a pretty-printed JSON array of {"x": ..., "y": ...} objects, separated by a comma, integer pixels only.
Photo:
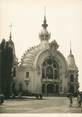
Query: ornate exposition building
[{"x": 44, "y": 70}]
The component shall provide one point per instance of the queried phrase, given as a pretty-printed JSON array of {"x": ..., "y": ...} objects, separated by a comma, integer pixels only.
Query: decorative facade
[{"x": 44, "y": 70}]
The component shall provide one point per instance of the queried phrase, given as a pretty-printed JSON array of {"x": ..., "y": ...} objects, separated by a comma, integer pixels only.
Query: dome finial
[
  {"x": 10, "y": 36},
  {"x": 44, "y": 25},
  {"x": 45, "y": 11}
]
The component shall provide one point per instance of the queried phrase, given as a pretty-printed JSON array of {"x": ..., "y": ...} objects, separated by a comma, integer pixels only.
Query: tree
[
  {"x": 2, "y": 47},
  {"x": 0, "y": 73},
  {"x": 6, "y": 67}
]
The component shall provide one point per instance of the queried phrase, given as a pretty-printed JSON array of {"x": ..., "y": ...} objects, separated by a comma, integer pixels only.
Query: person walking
[
  {"x": 71, "y": 100},
  {"x": 79, "y": 99},
  {"x": 70, "y": 96}
]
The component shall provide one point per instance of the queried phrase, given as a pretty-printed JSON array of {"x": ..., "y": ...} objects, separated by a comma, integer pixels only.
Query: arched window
[{"x": 50, "y": 69}]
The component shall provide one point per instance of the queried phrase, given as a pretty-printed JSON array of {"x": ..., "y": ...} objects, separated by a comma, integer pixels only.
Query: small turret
[{"x": 73, "y": 84}]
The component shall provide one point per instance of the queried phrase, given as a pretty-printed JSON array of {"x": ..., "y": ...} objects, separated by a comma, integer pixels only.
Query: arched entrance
[{"x": 50, "y": 89}]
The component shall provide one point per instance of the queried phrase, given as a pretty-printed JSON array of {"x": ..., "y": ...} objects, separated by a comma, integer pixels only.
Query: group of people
[{"x": 79, "y": 99}]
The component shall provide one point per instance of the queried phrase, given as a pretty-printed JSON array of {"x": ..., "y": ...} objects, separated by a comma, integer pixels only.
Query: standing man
[
  {"x": 70, "y": 96},
  {"x": 79, "y": 99}
]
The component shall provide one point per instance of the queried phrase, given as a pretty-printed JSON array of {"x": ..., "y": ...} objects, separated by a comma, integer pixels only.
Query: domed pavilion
[{"x": 44, "y": 69}]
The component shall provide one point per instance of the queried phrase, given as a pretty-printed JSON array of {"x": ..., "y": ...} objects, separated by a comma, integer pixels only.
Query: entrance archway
[{"x": 50, "y": 89}]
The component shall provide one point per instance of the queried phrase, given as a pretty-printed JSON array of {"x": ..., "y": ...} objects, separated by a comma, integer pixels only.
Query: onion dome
[{"x": 44, "y": 34}]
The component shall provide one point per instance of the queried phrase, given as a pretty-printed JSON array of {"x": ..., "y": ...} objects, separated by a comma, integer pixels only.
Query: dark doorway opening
[{"x": 50, "y": 89}]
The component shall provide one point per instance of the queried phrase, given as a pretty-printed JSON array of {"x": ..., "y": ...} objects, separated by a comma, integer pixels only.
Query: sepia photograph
[{"x": 40, "y": 57}]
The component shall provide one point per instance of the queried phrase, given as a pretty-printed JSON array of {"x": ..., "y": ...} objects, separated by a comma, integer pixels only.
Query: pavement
[{"x": 47, "y": 105}]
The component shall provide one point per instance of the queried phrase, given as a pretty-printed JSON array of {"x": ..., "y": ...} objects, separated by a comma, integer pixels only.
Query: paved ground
[{"x": 47, "y": 105}]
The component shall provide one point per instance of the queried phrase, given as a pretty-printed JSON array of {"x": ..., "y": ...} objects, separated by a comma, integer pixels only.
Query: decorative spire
[
  {"x": 10, "y": 36},
  {"x": 44, "y": 25},
  {"x": 71, "y": 60},
  {"x": 44, "y": 10},
  {"x": 70, "y": 48}
]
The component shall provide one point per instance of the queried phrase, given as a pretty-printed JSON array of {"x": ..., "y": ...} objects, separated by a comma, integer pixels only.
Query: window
[
  {"x": 71, "y": 89},
  {"x": 43, "y": 73},
  {"x": 49, "y": 72},
  {"x": 50, "y": 69},
  {"x": 27, "y": 74},
  {"x": 72, "y": 78},
  {"x": 61, "y": 88},
  {"x": 14, "y": 72},
  {"x": 55, "y": 74}
]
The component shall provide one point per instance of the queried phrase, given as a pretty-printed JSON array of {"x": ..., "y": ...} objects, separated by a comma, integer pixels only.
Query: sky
[{"x": 64, "y": 20}]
